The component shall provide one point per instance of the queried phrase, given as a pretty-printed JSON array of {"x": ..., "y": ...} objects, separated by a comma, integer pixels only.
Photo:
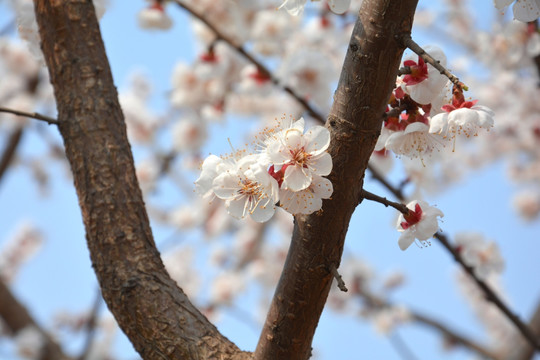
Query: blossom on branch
[
  {"x": 289, "y": 169},
  {"x": 461, "y": 117},
  {"x": 419, "y": 223}
]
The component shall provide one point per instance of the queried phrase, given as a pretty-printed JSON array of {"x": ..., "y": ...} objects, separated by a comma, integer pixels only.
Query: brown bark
[
  {"x": 366, "y": 81},
  {"x": 16, "y": 317},
  {"x": 154, "y": 313}
]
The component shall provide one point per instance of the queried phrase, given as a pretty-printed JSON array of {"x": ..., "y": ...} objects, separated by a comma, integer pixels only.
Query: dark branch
[
  {"x": 450, "y": 334},
  {"x": 34, "y": 115},
  {"x": 409, "y": 42},
  {"x": 372, "y": 197},
  {"x": 17, "y": 318},
  {"x": 10, "y": 150},
  {"x": 490, "y": 294}
]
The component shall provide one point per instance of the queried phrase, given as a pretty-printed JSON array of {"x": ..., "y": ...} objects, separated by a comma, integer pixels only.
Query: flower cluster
[
  {"x": 289, "y": 169},
  {"x": 419, "y": 120}
]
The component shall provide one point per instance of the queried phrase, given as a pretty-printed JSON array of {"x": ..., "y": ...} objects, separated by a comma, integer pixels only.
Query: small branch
[
  {"x": 16, "y": 317},
  {"x": 91, "y": 327},
  {"x": 409, "y": 42},
  {"x": 527, "y": 333},
  {"x": 34, "y": 115},
  {"x": 240, "y": 49},
  {"x": 380, "y": 178},
  {"x": 373, "y": 197},
  {"x": 448, "y": 333},
  {"x": 10, "y": 150},
  {"x": 488, "y": 292},
  {"x": 401, "y": 347},
  {"x": 340, "y": 283},
  {"x": 404, "y": 70}
]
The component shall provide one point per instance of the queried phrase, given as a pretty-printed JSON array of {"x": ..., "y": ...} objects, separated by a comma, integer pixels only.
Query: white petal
[
  {"x": 439, "y": 124},
  {"x": 501, "y": 4},
  {"x": 405, "y": 240},
  {"x": 321, "y": 187},
  {"x": 339, "y": 6},
  {"x": 321, "y": 165},
  {"x": 526, "y": 10},
  {"x": 294, "y": 139},
  {"x": 237, "y": 208},
  {"x": 294, "y": 7},
  {"x": 317, "y": 140},
  {"x": 226, "y": 185},
  {"x": 296, "y": 179},
  {"x": 264, "y": 211}
]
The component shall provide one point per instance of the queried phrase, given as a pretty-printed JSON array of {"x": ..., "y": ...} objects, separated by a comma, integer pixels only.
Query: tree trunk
[
  {"x": 154, "y": 313},
  {"x": 355, "y": 121}
]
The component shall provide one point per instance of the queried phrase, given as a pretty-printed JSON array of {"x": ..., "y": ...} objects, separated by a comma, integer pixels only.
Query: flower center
[
  {"x": 413, "y": 217},
  {"x": 299, "y": 157}
]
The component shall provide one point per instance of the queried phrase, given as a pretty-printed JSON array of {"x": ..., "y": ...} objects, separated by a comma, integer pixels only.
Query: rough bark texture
[
  {"x": 154, "y": 313},
  {"x": 16, "y": 317},
  {"x": 367, "y": 79}
]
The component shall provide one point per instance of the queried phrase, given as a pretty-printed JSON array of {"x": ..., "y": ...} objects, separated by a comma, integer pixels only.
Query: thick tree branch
[
  {"x": 355, "y": 121},
  {"x": 154, "y": 313},
  {"x": 17, "y": 318},
  {"x": 34, "y": 115}
]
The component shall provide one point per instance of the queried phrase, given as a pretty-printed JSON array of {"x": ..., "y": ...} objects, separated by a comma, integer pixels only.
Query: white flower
[
  {"x": 420, "y": 223},
  {"x": 248, "y": 189},
  {"x": 414, "y": 141},
  {"x": 426, "y": 83},
  {"x": 524, "y": 10},
  {"x": 203, "y": 185},
  {"x": 484, "y": 257},
  {"x": 466, "y": 119},
  {"x": 309, "y": 200},
  {"x": 189, "y": 133},
  {"x": 154, "y": 17},
  {"x": 301, "y": 155}
]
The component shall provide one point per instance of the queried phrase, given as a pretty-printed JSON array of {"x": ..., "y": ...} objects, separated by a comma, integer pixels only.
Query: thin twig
[
  {"x": 240, "y": 49},
  {"x": 401, "y": 347},
  {"x": 453, "y": 335},
  {"x": 490, "y": 294},
  {"x": 340, "y": 283},
  {"x": 411, "y": 44},
  {"x": 10, "y": 150},
  {"x": 373, "y": 197},
  {"x": 34, "y": 115},
  {"x": 380, "y": 178},
  {"x": 91, "y": 327}
]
